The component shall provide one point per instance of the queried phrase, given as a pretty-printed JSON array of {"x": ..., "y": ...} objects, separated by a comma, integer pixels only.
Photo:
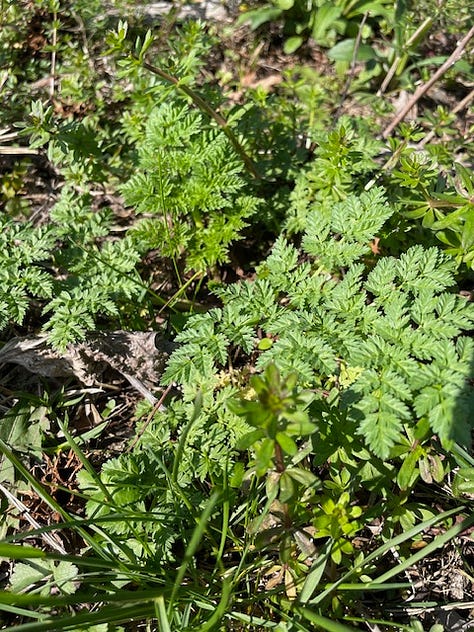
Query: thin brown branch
[
  {"x": 423, "y": 89},
  {"x": 350, "y": 77},
  {"x": 157, "y": 407},
  {"x": 53, "y": 56},
  {"x": 17, "y": 151}
]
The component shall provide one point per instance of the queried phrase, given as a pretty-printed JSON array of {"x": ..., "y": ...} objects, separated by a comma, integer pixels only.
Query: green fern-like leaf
[
  {"x": 420, "y": 269},
  {"x": 352, "y": 223},
  {"x": 190, "y": 181},
  {"x": 24, "y": 252}
]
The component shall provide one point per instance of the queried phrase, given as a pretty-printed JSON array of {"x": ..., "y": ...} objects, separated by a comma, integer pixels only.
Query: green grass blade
[
  {"x": 390, "y": 624},
  {"x": 198, "y": 532},
  {"x": 314, "y": 576},
  {"x": 323, "y": 622},
  {"x": 21, "y": 612},
  {"x": 18, "y": 552},
  {"x": 439, "y": 541},
  {"x": 107, "y": 495},
  {"x": 108, "y": 614},
  {"x": 182, "y": 440},
  {"x": 160, "y": 609},
  {"x": 84, "y": 460},
  {"x": 221, "y": 608}
]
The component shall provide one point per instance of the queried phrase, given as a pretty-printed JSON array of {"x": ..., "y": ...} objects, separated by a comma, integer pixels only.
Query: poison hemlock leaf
[
  {"x": 338, "y": 170},
  {"x": 352, "y": 223},
  {"x": 52, "y": 575},
  {"x": 84, "y": 277},
  {"x": 25, "y": 249},
  {"x": 393, "y": 328},
  {"x": 190, "y": 184}
]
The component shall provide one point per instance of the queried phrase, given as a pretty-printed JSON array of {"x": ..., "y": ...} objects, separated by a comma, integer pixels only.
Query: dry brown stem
[{"x": 421, "y": 90}]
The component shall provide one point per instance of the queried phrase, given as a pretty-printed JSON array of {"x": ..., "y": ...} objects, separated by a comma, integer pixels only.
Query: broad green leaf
[
  {"x": 316, "y": 573},
  {"x": 344, "y": 51},
  {"x": 287, "y": 488},
  {"x": 286, "y": 443},
  {"x": 264, "y": 456},
  {"x": 408, "y": 472},
  {"x": 467, "y": 236},
  {"x": 26, "y": 575},
  {"x": 260, "y": 16},
  {"x": 324, "y": 19},
  {"x": 372, "y": 8},
  {"x": 285, "y": 5},
  {"x": 265, "y": 344},
  {"x": 464, "y": 482},
  {"x": 292, "y": 44},
  {"x": 249, "y": 439},
  {"x": 466, "y": 177},
  {"x": 302, "y": 476},
  {"x": 65, "y": 575}
]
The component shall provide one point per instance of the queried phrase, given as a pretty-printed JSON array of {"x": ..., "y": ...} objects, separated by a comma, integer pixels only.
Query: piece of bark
[{"x": 139, "y": 356}]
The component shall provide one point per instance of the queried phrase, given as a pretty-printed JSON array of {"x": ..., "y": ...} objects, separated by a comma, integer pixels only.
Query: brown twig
[
  {"x": 18, "y": 151},
  {"x": 158, "y": 406},
  {"x": 49, "y": 538},
  {"x": 421, "y": 90},
  {"x": 351, "y": 74},
  {"x": 53, "y": 56}
]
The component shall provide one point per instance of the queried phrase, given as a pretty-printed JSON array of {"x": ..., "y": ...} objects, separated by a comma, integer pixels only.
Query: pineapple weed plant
[{"x": 316, "y": 449}]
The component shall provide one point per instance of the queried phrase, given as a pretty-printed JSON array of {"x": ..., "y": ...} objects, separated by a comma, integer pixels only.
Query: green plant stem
[
  {"x": 172, "y": 301},
  {"x": 391, "y": 163},
  {"x": 421, "y": 30},
  {"x": 192, "y": 546},
  {"x": 205, "y": 107}
]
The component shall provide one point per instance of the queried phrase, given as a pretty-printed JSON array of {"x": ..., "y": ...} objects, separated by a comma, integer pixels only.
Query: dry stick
[
  {"x": 50, "y": 538},
  {"x": 158, "y": 406},
  {"x": 53, "y": 56},
  {"x": 352, "y": 68},
  {"x": 460, "y": 106},
  {"x": 205, "y": 107},
  {"x": 5, "y": 135},
  {"x": 18, "y": 151},
  {"x": 452, "y": 59}
]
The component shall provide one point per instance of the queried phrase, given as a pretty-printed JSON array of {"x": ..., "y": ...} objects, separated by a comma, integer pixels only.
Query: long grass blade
[
  {"x": 313, "y": 578},
  {"x": 324, "y": 622},
  {"x": 163, "y": 622},
  {"x": 439, "y": 541},
  {"x": 192, "y": 546},
  {"x": 403, "y": 537}
]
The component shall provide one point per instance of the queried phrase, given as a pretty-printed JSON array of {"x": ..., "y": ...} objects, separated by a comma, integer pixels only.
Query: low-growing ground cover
[{"x": 236, "y": 314}]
